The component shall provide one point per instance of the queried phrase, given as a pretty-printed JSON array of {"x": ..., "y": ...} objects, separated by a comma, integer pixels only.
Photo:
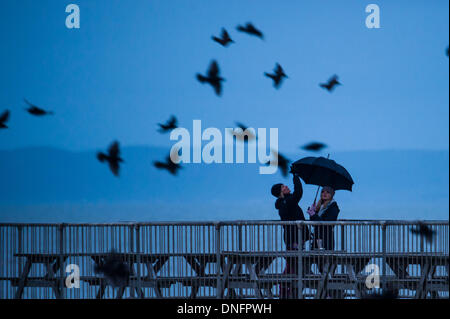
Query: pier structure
[{"x": 228, "y": 259}]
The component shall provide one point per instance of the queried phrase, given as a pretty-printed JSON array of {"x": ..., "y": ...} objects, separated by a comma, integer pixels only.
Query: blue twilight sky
[{"x": 133, "y": 63}]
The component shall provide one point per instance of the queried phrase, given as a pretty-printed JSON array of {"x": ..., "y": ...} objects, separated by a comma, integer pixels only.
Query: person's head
[
  {"x": 279, "y": 190},
  {"x": 327, "y": 193}
]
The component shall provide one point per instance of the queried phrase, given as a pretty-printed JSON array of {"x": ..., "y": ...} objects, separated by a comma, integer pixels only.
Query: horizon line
[{"x": 323, "y": 153}]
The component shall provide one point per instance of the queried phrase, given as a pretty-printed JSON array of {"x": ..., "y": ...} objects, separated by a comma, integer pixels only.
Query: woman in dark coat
[
  {"x": 289, "y": 210},
  {"x": 325, "y": 210}
]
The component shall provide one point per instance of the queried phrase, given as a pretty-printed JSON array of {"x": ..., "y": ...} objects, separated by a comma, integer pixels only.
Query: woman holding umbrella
[{"x": 325, "y": 210}]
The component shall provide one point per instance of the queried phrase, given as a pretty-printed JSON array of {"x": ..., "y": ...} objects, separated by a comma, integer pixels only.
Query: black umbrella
[{"x": 322, "y": 171}]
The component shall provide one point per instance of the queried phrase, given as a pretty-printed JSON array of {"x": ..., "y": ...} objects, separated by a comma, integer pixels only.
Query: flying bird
[
  {"x": 224, "y": 39},
  {"x": 280, "y": 161},
  {"x": 35, "y": 110},
  {"x": 251, "y": 30},
  {"x": 113, "y": 158},
  {"x": 424, "y": 231},
  {"x": 114, "y": 270},
  {"x": 169, "y": 164},
  {"x": 4, "y": 118},
  {"x": 331, "y": 84},
  {"x": 386, "y": 294},
  {"x": 212, "y": 77},
  {"x": 243, "y": 136},
  {"x": 314, "y": 146},
  {"x": 278, "y": 75},
  {"x": 170, "y": 125}
]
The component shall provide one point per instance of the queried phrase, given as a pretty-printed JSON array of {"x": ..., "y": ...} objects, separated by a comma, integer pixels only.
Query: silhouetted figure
[
  {"x": 282, "y": 162},
  {"x": 251, "y": 30},
  {"x": 242, "y": 136},
  {"x": 424, "y": 231},
  {"x": 170, "y": 125},
  {"x": 37, "y": 111},
  {"x": 278, "y": 75},
  {"x": 3, "y": 119},
  {"x": 331, "y": 84},
  {"x": 114, "y": 270},
  {"x": 224, "y": 39},
  {"x": 113, "y": 158},
  {"x": 288, "y": 207},
  {"x": 168, "y": 165},
  {"x": 212, "y": 77},
  {"x": 314, "y": 146}
]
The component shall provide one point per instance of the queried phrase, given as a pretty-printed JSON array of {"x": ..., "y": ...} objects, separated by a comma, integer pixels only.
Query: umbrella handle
[{"x": 317, "y": 192}]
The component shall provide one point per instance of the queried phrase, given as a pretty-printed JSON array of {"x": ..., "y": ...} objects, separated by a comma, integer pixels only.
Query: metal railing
[{"x": 239, "y": 259}]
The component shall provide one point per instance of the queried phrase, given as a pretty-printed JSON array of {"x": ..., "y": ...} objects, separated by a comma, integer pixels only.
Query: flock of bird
[{"x": 212, "y": 77}]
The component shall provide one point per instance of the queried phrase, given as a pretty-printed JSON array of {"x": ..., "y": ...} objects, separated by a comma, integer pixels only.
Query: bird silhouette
[
  {"x": 114, "y": 270},
  {"x": 314, "y": 146},
  {"x": 169, "y": 164},
  {"x": 250, "y": 29},
  {"x": 4, "y": 118},
  {"x": 241, "y": 136},
  {"x": 278, "y": 75},
  {"x": 35, "y": 110},
  {"x": 280, "y": 161},
  {"x": 386, "y": 294},
  {"x": 113, "y": 158},
  {"x": 224, "y": 39},
  {"x": 424, "y": 231},
  {"x": 170, "y": 125},
  {"x": 331, "y": 84},
  {"x": 212, "y": 77}
]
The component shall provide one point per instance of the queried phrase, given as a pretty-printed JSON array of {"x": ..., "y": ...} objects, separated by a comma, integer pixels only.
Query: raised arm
[{"x": 298, "y": 189}]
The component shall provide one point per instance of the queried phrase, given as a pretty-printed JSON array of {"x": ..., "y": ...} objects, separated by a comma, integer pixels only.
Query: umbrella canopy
[{"x": 323, "y": 172}]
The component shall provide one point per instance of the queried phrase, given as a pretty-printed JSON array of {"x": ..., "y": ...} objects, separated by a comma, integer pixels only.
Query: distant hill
[{"x": 53, "y": 185}]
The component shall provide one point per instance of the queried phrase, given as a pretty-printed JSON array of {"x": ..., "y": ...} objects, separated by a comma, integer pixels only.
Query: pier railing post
[
  {"x": 131, "y": 262},
  {"x": 219, "y": 283},
  {"x": 422, "y": 243},
  {"x": 384, "y": 250},
  {"x": 138, "y": 260},
  {"x": 300, "y": 261},
  {"x": 61, "y": 262},
  {"x": 240, "y": 240},
  {"x": 20, "y": 248}
]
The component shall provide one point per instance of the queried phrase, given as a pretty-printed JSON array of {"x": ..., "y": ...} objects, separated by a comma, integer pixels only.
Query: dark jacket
[
  {"x": 289, "y": 210},
  {"x": 326, "y": 233}
]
